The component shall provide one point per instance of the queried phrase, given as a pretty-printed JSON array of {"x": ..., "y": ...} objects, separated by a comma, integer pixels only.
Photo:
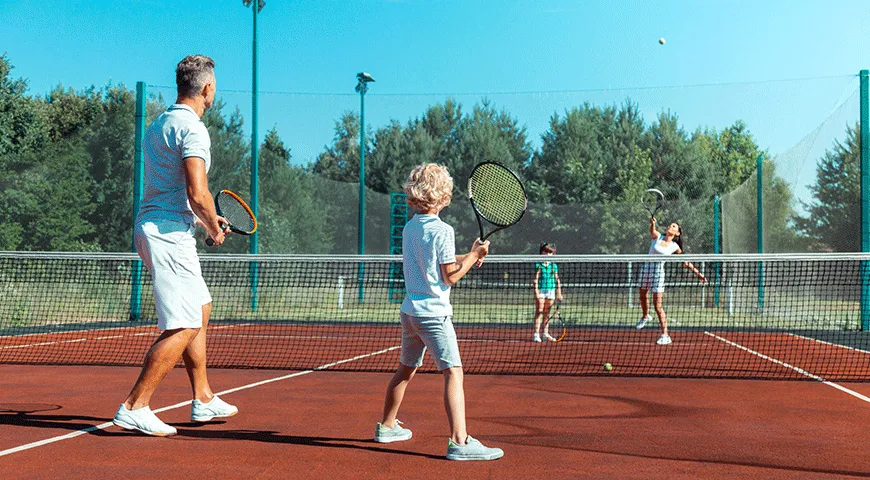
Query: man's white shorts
[{"x": 168, "y": 250}]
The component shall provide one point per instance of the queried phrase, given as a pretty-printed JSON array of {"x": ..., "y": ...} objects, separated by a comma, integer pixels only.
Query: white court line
[
  {"x": 58, "y": 342},
  {"x": 829, "y": 343},
  {"x": 76, "y": 340},
  {"x": 103, "y": 426},
  {"x": 796, "y": 369}
]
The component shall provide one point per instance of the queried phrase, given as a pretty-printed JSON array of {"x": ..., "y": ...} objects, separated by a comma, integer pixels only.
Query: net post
[
  {"x": 717, "y": 248},
  {"x": 865, "y": 197},
  {"x": 138, "y": 188},
  {"x": 759, "y": 179}
]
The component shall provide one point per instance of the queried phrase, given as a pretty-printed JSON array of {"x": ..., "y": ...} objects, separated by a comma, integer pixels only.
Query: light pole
[
  {"x": 255, "y": 182},
  {"x": 362, "y": 86}
]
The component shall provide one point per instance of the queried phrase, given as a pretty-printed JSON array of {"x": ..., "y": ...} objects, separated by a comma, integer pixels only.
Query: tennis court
[{"x": 764, "y": 379}]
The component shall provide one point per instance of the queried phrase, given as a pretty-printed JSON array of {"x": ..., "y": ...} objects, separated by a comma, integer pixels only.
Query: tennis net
[{"x": 758, "y": 316}]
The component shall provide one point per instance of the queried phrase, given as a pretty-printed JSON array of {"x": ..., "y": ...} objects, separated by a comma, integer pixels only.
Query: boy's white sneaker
[
  {"x": 385, "y": 434},
  {"x": 472, "y": 450}
]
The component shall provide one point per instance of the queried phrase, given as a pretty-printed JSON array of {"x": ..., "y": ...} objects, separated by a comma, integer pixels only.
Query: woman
[{"x": 652, "y": 274}]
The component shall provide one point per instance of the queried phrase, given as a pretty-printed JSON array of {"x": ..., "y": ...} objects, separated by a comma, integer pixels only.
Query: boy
[{"x": 431, "y": 267}]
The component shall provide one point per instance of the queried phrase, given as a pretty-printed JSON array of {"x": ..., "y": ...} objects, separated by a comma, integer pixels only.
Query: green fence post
[
  {"x": 255, "y": 165},
  {"x": 362, "y": 86},
  {"x": 759, "y": 197},
  {"x": 865, "y": 198},
  {"x": 138, "y": 187},
  {"x": 717, "y": 248}
]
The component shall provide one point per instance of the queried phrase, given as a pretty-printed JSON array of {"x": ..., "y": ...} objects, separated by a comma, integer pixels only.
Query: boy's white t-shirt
[{"x": 427, "y": 243}]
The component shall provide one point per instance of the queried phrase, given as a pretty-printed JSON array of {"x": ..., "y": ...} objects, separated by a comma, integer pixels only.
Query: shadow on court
[{"x": 275, "y": 437}]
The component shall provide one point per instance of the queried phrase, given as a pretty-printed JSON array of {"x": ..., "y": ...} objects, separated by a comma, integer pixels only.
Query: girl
[
  {"x": 652, "y": 274},
  {"x": 548, "y": 288}
]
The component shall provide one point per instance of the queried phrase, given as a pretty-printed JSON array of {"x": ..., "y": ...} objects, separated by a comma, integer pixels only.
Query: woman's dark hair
[
  {"x": 679, "y": 238},
  {"x": 547, "y": 248}
]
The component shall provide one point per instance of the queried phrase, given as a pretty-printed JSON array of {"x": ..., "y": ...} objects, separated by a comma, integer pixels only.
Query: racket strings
[
  {"x": 498, "y": 195},
  {"x": 653, "y": 200},
  {"x": 235, "y": 212}
]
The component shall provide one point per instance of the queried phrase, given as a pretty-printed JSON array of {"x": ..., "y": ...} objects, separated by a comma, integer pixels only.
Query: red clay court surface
[
  {"x": 319, "y": 425},
  {"x": 709, "y": 354}
]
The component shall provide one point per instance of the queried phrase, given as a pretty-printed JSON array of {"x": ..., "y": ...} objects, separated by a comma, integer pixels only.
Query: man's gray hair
[{"x": 192, "y": 74}]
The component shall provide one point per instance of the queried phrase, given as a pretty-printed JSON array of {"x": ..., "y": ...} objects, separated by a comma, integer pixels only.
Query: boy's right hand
[{"x": 480, "y": 250}]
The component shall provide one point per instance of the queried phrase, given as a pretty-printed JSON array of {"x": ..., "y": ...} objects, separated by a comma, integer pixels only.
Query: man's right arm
[{"x": 200, "y": 198}]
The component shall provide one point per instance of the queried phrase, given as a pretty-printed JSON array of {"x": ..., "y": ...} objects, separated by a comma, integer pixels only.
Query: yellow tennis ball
[
  {"x": 661, "y": 41},
  {"x": 608, "y": 367}
]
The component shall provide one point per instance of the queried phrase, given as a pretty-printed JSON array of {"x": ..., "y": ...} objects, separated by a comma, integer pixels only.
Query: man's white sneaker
[
  {"x": 385, "y": 434},
  {"x": 536, "y": 338},
  {"x": 642, "y": 322},
  {"x": 664, "y": 340},
  {"x": 216, "y": 408},
  {"x": 144, "y": 420}
]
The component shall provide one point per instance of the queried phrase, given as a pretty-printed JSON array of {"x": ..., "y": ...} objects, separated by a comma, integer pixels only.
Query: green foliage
[
  {"x": 293, "y": 221},
  {"x": 22, "y": 126},
  {"x": 66, "y": 174},
  {"x": 831, "y": 220},
  {"x": 110, "y": 144}
]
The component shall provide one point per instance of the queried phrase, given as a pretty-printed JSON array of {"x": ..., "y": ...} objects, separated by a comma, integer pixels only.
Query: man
[{"x": 175, "y": 200}]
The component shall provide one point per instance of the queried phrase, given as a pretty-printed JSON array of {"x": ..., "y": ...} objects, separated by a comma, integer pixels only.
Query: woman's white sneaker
[
  {"x": 642, "y": 322},
  {"x": 664, "y": 340}
]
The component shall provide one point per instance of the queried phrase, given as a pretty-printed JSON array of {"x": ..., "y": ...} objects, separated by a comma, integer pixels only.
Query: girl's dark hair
[{"x": 547, "y": 248}]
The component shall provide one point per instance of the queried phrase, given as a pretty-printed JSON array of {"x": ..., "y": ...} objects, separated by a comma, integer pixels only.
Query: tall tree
[
  {"x": 833, "y": 216},
  {"x": 291, "y": 219},
  {"x": 110, "y": 144}
]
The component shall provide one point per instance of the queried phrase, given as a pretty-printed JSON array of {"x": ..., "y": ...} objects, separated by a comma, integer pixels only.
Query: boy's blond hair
[{"x": 429, "y": 186}]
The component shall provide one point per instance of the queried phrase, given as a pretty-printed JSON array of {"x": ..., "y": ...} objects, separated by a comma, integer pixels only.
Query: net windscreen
[
  {"x": 497, "y": 194},
  {"x": 238, "y": 216},
  {"x": 768, "y": 317}
]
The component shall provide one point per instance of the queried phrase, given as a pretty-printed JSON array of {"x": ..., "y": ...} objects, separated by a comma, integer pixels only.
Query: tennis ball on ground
[
  {"x": 661, "y": 41},
  {"x": 608, "y": 367}
]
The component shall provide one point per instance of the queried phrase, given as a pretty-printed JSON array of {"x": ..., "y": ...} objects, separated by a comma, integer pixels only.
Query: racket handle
[{"x": 209, "y": 241}]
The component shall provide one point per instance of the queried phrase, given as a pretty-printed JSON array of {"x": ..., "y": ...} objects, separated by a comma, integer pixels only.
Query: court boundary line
[
  {"x": 103, "y": 426},
  {"x": 825, "y": 342},
  {"x": 792, "y": 367}
]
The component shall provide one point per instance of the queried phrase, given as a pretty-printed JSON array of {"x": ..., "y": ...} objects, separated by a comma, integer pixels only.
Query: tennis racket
[
  {"x": 652, "y": 200},
  {"x": 497, "y": 196},
  {"x": 556, "y": 324},
  {"x": 239, "y": 215}
]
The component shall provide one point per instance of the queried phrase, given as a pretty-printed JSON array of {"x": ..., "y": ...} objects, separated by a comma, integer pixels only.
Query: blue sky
[{"x": 568, "y": 52}]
